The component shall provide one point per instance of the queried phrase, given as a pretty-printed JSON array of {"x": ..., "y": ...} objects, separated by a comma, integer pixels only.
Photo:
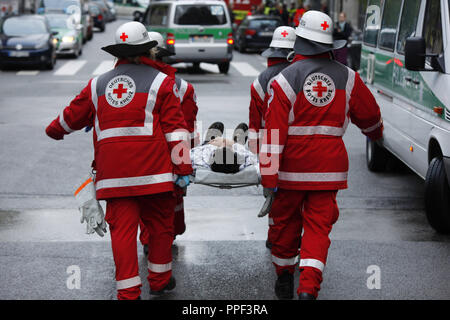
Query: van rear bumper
[
  {"x": 447, "y": 168},
  {"x": 214, "y": 53}
]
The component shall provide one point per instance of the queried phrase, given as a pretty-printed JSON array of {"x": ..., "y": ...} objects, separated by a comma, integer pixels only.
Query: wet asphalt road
[{"x": 222, "y": 254}]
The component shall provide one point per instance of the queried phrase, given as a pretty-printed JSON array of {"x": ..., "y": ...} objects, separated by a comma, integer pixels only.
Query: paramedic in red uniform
[
  {"x": 141, "y": 149},
  {"x": 303, "y": 158},
  {"x": 189, "y": 107}
]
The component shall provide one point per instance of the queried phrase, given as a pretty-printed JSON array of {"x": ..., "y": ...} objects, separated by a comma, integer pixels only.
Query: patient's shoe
[
  {"x": 215, "y": 130},
  {"x": 240, "y": 134}
]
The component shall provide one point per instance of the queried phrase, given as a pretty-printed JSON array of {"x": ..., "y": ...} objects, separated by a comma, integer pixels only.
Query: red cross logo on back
[
  {"x": 284, "y": 33},
  {"x": 319, "y": 89},
  {"x": 325, "y": 25},
  {"x": 123, "y": 37},
  {"x": 119, "y": 91}
]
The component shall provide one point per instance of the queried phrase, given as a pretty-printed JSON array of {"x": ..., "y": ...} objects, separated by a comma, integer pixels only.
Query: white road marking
[
  {"x": 27, "y": 72},
  {"x": 70, "y": 68},
  {"x": 245, "y": 69},
  {"x": 214, "y": 68},
  {"x": 105, "y": 66}
]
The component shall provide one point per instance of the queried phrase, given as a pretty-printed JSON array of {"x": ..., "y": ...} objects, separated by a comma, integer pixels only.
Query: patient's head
[{"x": 225, "y": 160}]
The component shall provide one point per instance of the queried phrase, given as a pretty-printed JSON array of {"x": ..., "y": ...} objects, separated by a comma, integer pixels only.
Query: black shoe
[
  {"x": 268, "y": 244},
  {"x": 215, "y": 130},
  {"x": 306, "y": 296},
  {"x": 240, "y": 134},
  {"x": 169, "y": 286},
  {"x": 145, "y": 249},
  {"x": 284, "y": 287}
]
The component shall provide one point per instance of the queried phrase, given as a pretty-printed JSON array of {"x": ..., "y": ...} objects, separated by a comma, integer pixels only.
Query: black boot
[
  {"x": 169, "y": 286},
  {"x": 215, "y": 130},
  {"x": 306, "y": 296},
  {"x": 284, "y": 287},
  {"x": 268, "y": 244},
  {"x": 145, "y": 249},
  {"x": 240, "y": 134}
]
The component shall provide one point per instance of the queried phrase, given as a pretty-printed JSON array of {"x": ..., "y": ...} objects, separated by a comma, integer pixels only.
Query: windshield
[
  {"x": 200, "y": 15},
  {"x": 59, "y": 4},
  {"x": 264, "y": 24},
  {"x": 65, "y": 22},
  {"x": 14, "y": 27}
]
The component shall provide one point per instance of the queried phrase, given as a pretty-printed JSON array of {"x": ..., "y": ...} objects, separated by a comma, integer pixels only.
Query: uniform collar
[
  {"x": 158, "y": 65},
  {"x": 299, "y": 57},
  {"x": 275, "y": 61}
]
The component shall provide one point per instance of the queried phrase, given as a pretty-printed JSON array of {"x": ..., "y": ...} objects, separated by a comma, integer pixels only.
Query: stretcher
[{"x": 247, "y": 177}]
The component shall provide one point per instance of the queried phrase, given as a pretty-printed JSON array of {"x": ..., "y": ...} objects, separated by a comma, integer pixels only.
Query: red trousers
[
  {"x": 179, "y": 225},
  {"x": 316, "y": 212},
  {"x": 123, "y": 215}
]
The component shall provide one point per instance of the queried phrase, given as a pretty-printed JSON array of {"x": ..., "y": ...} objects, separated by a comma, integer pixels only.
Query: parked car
[
  {"x": 69, "y": 37},
  {"x": 256, "y": 31},
  {"x": 112, "y": 9},
  {"x": 97, "y": 16},
  {"x": 196, "y": 31},
  {"x": 405, "y": 61},
  {"x": 27, "y": 40},
  {"x": 106, "y": 10}
]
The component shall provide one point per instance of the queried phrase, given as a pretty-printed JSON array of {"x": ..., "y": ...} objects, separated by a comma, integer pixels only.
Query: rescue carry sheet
[{"x": 249, "y": 176}]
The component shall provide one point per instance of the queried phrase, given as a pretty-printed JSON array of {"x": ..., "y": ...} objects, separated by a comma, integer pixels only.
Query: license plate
[
  {"x": 201, "y": 39},
  {"x": 19, "y": 54},
  {"x": 266, "y": 34}
]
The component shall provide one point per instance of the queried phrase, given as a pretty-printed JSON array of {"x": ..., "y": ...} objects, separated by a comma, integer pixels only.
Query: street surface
[{"x": 222, "y": 255}]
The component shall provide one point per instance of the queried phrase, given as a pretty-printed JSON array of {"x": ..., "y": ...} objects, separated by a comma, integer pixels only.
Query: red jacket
[
  {"x": 259, "y": 97},
  {"x": 312, "y": 103},
  {"x": 139, "y": 130}
]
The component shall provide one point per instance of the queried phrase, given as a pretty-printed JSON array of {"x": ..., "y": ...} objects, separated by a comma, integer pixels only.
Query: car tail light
[
  {"x": 100, "y": 17},
  {"x": 230, "y": 39},
  {"x": 170, "y": 39},
  {"x": 250, "y": 32}
]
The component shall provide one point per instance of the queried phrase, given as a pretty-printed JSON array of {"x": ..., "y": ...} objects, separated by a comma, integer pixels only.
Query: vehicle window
[
  {"x": 158, "y": 15},
  {"x": 58, "y": 4},
  {"x": 94, "y": 10},
  {"x": 432, "y": 29},
  {"x": 200, "y": 15},
  {"x": 373, "y": 22},
  {"x": 66, "y": 22},
  {"x": 264, "y": 23},
  {"x": 408, "y": 23},
  {"x": 14, "y": 27},
  {"x": 389, "y": 25}
]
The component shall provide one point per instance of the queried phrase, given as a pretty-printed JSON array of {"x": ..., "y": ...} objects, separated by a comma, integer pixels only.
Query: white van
[{"x": 405, "y": 61}]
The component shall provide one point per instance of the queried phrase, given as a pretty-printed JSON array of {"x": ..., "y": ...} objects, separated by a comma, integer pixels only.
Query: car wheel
[
  {"x": 437, "y": 197},
  {"x": 376, "y": 156},
  {"x": 224, "y": 67}
]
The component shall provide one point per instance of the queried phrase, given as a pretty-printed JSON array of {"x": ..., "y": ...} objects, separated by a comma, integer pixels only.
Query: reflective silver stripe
[
  {"x": 179, "y": 207},
  {"x": 128, "y": 283},
  {"x": 314, "y": 263},
  {"x": 177, "y": 136},
  {"x": 312, "y": 130},
  {"x": 313, "y": 176},
  {"x": 271, "y": 223},
  {"x": 285, "y": 262},
  {"x": 348, "y": 93},
  {"x": 63, "y": 123},
  {"x": 373, "y": 128},
  {"x": 287, "y": 89},
  {"x": 272, "y": 148},
  {"x": 134, "y": 181},
  {"x": 159, "y": 268},
  {"x": 183, "y": 89},
  {"x": 258, "y": 88},
  {"x": 94, "y": 97},
  {"x": 124, "y": 132}
]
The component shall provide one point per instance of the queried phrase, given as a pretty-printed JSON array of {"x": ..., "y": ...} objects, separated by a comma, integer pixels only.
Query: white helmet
[
  {"x": 283, "y": 37},
  {"x": 315, "y": 34},
  {"x": 131, "y": 39},
  {"x": 157, "y": 37}
]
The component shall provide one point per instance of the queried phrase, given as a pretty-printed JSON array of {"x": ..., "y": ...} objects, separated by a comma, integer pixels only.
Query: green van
[
  {"x": 197, "y": 31},
  {"x": 405, "y": 61}
]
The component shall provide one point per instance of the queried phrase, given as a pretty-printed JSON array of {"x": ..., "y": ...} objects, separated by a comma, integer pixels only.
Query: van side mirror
[{"x": 415, "y": 55}]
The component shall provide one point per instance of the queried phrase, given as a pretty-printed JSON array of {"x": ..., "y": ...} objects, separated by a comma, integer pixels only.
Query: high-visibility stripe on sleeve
[
  {"x": 348, "y": 94},
  {"x": 285, "y": 262},
  {"x": 178, "y": 136},
  {"x": 63, "y": 123},
  {"x": 159, "y": 268},
  {"x": 272, "y": 148},
  {"x": 313, "y": 176},
  {"x": 314, "y": 263},
  {"x": 313, "y": 130},
  {"x": 287, "y": 89},
  {"x": 182, "y": 90},
  {"x": 258, "y": 88},
  {"x": 373, "y": 128},
  {"x": 134, "y": 181},
  {"x": 128, "y": 283}
]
